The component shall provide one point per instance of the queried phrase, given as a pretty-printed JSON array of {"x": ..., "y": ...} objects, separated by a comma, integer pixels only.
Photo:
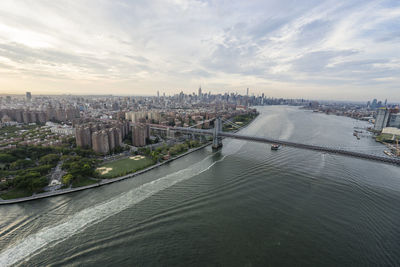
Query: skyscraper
[
  {"x": 117, "y": 136},
  {"x": 28, "y": 96},
  {"x": 382, "y": 117},
  {"x": 200, "y": 91},
  {"x": 374, "y": 104},
  {"x": 139, "y": 134},
  {"x": 247, "y": 92},
  {"x": 111, "y": 139},
  {"x": 394, "y": 120},
  {"x": 100, "y": 142},
  {"x": 83, "y": 136}
]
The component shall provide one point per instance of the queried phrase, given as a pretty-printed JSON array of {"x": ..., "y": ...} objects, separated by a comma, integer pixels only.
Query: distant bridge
[{"x": 217, "y": 135}]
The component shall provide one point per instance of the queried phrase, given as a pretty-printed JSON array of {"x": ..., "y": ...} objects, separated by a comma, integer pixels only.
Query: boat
[
  {"x": 275, "y": 146},
  {"x": 388, "y": 153}
]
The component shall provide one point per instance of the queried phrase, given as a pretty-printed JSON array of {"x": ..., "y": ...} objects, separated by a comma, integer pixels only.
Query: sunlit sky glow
[{"x": 312, "y": 49}]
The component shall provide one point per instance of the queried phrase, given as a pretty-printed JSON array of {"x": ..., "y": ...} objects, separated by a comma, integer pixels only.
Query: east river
[{"x": 244, "y": 205}]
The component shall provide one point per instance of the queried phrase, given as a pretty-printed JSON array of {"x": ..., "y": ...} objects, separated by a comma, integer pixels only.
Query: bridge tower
[{"x": 217, "y": 140}]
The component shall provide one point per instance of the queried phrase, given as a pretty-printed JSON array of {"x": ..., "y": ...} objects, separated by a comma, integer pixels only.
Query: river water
[{"x": 244, "y": 205}]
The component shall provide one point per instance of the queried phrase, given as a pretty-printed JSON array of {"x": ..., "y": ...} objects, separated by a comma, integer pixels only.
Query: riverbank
[
  {"x": 112, "y": 180},
  {"x": 100, "y": 183}
]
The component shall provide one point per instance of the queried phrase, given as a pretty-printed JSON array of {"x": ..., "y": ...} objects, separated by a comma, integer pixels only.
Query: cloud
[
  {"x": 319, "y": 61},
  {"x": 142, "y": 46}
]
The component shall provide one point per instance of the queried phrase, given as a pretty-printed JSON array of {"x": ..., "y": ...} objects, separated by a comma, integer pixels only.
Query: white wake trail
[{"x": 78, "y": 222}]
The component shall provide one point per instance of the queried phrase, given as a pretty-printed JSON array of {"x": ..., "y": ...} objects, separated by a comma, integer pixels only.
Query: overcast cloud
[{"x": 286, "y": 48}]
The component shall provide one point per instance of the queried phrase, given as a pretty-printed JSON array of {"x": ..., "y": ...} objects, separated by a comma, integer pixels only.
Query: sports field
[{"x": 123, "y": 166}]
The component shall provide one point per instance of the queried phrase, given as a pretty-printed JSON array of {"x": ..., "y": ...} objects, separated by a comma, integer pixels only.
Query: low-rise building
[{"x": 391, "y": 130}]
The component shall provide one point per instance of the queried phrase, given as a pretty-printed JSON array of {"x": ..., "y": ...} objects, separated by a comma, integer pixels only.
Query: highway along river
[{"x": 244, "y": 205}]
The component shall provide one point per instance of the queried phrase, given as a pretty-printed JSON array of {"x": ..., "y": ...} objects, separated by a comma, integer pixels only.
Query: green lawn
[
  {"x": 125, "y": 166},
  {"x": 16, "y": 193},
  {"x": 83, "y": 182},
  {"x": 384, "y": 137}
]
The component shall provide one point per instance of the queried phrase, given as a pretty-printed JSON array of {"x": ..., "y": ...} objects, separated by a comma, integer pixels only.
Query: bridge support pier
[{"x": 217, "y": 139}]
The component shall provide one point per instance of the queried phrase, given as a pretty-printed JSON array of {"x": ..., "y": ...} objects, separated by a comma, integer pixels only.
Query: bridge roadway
[{"x": 337, "y": 151}]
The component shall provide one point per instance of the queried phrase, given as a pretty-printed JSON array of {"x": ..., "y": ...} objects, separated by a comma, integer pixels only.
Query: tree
[
  {"x": 84, "y": 152},
  {"x": 67, "y": 179},
  {"x": 50, "y": 159},
  {"x": 31, "y": 181},
  {"x": 193, "y": 143},
  {"x": 21, "y": 163},
  {"x": 38, "y": 183},
  {"x": 7, "y": 158},
  {"x": 43, "y": 169},
  {"x": 155, "y": 155}
]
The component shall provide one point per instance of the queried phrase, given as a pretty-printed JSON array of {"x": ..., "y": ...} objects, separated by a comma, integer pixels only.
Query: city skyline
[{"x": 320, "y": 50}]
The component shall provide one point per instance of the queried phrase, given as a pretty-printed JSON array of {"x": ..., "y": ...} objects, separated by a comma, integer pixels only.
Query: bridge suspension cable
[
  {"x": 232, "y": 123},
  {"x": 201, "y": 123}
]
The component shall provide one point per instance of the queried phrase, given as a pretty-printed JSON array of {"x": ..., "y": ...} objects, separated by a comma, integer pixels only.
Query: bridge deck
[
  {"x": 394, "y": 161},
  {"x": 315, "y": 148}
]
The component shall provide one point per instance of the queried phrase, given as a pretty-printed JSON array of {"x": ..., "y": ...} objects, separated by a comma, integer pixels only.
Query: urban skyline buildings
[
  {"x": 103, "y": 138},
  {"x": 28, "y": 96},
  {"x": 386, "y": 117},
  {"x": 91, "y": 117}
]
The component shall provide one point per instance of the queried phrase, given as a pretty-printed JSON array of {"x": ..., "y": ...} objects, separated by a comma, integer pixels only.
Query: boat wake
[
  {"x": 288, "y": 130},
  {"x": 78, "y": 222}
]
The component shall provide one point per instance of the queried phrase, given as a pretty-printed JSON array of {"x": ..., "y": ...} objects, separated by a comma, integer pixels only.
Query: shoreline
[
  {"x": 108, "y": 181},
  {"x": 100, "y": 183},
  {"x": 331, "y": 114}
]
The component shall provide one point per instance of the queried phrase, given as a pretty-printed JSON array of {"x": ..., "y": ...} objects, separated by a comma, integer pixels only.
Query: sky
[{"x": 345, "y": 50}]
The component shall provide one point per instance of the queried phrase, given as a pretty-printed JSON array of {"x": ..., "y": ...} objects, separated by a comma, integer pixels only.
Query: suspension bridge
[{"x": 218, "y": 134}]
